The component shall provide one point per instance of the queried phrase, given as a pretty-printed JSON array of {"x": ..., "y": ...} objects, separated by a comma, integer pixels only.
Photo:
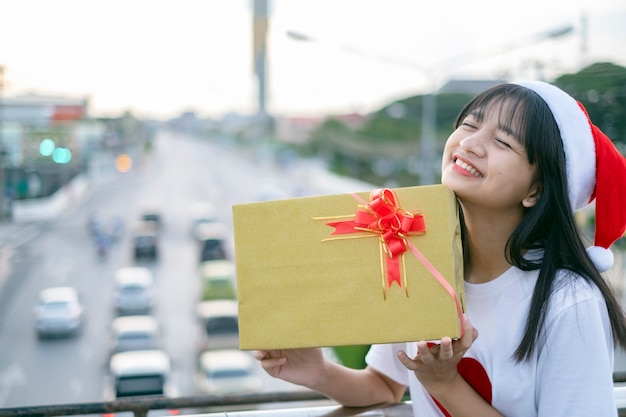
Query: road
[{"x": 180, "y": 171}]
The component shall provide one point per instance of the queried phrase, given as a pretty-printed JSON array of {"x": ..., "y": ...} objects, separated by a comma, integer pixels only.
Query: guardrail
[
  {"x": 305, "y": 404},
  {"x": 141, "y": 405},
  {"x": 238, "y": 405}
]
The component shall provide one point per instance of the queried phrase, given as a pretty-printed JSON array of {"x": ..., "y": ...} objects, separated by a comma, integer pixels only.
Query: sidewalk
[
  {"x": 12, "y": 236},
  {"x": 31, "y": 216}
]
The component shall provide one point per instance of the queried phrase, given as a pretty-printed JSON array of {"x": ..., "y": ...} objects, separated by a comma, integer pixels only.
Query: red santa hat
[{"x": 595, "y": 169}]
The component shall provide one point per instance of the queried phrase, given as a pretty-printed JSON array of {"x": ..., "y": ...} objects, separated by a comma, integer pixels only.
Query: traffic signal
[
  {"x": 46, "y": 147},
  {"x": 61, "y": 155}
]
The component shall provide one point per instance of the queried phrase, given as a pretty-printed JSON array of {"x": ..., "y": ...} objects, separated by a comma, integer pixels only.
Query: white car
[
  {"x": 58, "y": 312},
  {"x": 227, "y": 371},
  {"x": 139, "y": 373},
  {"x": 134, "y": 290},
  {"x": 130, "y": 333},
  {"x": 201, "y": 213}
]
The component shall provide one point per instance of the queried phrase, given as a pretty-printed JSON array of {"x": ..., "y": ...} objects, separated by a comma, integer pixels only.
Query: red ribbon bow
[{"x": 384, "y": 217}]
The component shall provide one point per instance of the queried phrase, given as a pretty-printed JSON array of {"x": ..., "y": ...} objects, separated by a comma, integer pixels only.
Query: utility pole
[
  {"x": 260, "y": 52},
  {"x": 263, "y": 123}
]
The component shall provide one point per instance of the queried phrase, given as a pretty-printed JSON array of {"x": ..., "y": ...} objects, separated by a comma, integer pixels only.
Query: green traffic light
[
  {"x": 46, "y": 147},
  {"x": 62, "y": 155}
]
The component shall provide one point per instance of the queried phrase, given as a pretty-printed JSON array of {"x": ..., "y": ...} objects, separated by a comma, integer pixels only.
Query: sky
[{"x": 158, "y": 58}]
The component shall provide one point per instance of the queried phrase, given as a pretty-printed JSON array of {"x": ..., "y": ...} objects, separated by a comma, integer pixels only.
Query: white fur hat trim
[{"x": 578, "y": 142}]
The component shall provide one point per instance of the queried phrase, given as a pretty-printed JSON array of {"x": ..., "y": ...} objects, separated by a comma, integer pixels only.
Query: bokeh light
[
  {"x": 46, "y": 147},
  {"x": 61, "y": 155},
  {"x": 123, "y": 162}
]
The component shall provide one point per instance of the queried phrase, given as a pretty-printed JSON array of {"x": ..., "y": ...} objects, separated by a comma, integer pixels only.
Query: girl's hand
[
  {"x": 299, "y": 366},
  {"x": 436, "y": 366}
]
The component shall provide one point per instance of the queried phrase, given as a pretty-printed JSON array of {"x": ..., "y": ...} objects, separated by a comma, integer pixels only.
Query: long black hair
[{"x": 549, "y": 225}]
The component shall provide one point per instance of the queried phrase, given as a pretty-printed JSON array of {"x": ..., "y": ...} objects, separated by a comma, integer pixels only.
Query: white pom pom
[{"x": 602, "y": 258}]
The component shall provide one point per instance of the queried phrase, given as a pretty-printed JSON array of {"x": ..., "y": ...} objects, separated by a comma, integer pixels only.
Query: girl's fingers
[
  {"x": 267, "y": 360},
  {"x": 409, "y": 363},
  {"x": 423, "y": 349},
  {"x": 446, "y": 351},
  {"x": 260, "y": 354}
]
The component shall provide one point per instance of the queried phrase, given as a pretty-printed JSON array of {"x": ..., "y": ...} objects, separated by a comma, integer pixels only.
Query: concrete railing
[{"x": 48, "y": 208}]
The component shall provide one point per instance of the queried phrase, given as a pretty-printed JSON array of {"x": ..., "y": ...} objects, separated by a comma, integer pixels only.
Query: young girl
[{"x": 544, "y": 322}]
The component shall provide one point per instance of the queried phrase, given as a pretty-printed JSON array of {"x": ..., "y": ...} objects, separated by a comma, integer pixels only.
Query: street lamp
[{"x": 429, "y": 99}]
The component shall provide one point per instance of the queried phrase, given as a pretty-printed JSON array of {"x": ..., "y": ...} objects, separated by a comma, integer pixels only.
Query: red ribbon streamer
[{"x": 384, "y": 217}]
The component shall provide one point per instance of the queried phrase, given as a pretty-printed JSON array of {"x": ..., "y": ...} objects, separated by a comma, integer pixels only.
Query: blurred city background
[{"x": 129, "y": 129}]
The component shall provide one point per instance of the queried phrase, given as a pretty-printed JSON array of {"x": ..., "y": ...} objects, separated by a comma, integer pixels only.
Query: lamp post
[{"x": 428, "y": 140}]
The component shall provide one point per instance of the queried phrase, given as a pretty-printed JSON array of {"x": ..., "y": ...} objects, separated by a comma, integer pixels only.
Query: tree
[{"x": 601, "y": 88}]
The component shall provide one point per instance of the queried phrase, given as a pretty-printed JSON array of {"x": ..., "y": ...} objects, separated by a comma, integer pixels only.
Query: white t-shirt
[{"x": 570, "y": 372}]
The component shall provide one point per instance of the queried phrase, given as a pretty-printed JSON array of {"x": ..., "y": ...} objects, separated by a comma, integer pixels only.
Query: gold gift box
[{"x": 300, "y": 285}]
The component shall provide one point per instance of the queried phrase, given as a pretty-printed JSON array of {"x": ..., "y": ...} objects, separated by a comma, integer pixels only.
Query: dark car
[
  {"x": 145, "y": 241},
  {"x": 212, "y": 250},
  {"x": 218, "y": 325},
  {"x": 212, "y": 239},
  {"x": 151, "y": 212}
]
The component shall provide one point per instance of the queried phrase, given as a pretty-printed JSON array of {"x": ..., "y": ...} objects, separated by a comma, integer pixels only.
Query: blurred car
[
  {"x": 227, "y": 371},
  {"x": 145, "y": 241},
  {"x": 218, "y": 325},
  {"x": 151, "y": 211},
  {"x": 134, "y": 290},
  {"x": 130, "y": 333},
  {"x": 139, "y": 373},
  {"x": 212, "y": 237},
  {"x": 58, "y": 312},
  {"x": 217, "y": 280},
  {"x": 201, "y": 213}
]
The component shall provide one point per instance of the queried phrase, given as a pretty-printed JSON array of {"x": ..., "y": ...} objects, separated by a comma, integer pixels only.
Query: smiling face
[{"x": 485, "y": 163}]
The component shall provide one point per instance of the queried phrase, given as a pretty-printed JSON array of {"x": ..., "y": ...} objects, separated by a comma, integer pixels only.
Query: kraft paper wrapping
[{"x": 296, "y": 289}]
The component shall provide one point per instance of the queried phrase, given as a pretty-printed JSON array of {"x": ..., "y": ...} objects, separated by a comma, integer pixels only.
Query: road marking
[{"x": 9, "y": 378}]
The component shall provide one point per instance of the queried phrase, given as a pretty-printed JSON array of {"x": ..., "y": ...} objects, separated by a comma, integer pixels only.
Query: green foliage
[
  {"x": 387, "y": 134},
  {"x": 147, "y": 147},
  {"x": 601, "y": 88},
  {"x": 448, "y": 108},
  {"x": 319, "y": 138},
  {"x": 385, "y": 127},
  {"x": 402, "y": 120},
  {"x": 352, "y": 356}
]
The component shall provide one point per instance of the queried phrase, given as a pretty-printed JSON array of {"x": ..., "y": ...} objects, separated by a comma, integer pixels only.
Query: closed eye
[
  {"x": 503, "y": 143},
  {"x": 507, "y": 145}
]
